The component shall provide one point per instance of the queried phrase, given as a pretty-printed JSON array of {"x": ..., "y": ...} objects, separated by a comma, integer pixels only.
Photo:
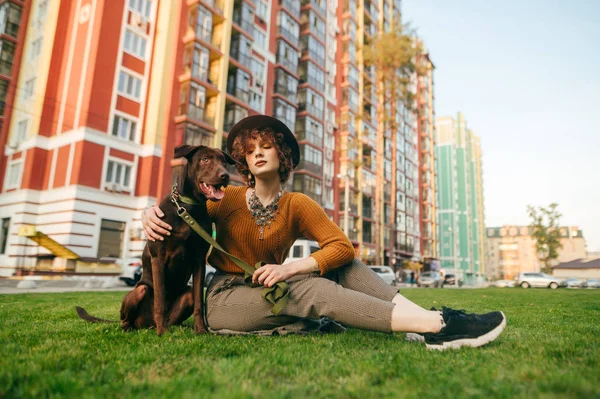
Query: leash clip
[{"x": 174, "y": 196}]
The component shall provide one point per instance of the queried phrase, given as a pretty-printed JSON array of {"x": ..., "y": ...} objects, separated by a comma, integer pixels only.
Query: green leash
[{"x": 278, "y": 295}]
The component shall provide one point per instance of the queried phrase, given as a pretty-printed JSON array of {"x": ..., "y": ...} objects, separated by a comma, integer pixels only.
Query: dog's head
[{"x": 205, "y": 173}]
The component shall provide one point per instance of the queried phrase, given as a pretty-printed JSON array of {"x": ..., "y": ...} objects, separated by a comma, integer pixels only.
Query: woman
[{"x": 260, "y": 222}]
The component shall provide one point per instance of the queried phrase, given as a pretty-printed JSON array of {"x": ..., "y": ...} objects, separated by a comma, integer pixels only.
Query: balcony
[
  {"x": 317, "y": 5},
  {"x": 293, "y": 38},
  {"x": 313, "y": 110},
  {"x": 310, "y": 167},
  {"x": 243, "y": 59},
  {"x": 293, "y": 7}
]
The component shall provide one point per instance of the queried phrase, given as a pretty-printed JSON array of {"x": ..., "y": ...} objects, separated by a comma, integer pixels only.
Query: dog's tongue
[
  {"x": 217, "y": 193},
  {"x": 213, "y": 193}
]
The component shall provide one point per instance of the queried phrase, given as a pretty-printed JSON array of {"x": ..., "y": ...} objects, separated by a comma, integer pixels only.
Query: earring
[{"x": 249, "y": 176}]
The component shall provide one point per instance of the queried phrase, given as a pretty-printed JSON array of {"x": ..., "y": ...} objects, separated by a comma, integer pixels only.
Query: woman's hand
[
  {"x": 269, "y": 275},
  {"x": 154, "y": 228}
]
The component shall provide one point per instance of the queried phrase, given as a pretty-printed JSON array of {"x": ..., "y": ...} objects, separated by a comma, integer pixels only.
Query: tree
[
  {"x": 544, "y": 227},
  {"x": 395, "y": 56}
]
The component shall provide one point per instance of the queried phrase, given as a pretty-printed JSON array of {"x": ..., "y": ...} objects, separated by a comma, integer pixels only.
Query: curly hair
[{"x": 240, "y": 148}]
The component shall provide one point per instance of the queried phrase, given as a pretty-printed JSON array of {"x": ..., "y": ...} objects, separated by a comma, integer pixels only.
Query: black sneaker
[{"x": 463, "y": 329}]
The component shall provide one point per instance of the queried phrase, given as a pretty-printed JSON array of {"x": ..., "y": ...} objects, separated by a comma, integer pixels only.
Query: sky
[{"x": 526, "y": 76}]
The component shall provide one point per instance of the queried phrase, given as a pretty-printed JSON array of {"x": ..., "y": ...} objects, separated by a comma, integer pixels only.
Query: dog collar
[{"x": 175, "y": 197}]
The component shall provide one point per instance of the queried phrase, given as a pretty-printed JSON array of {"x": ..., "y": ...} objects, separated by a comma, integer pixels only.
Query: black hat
[{"x": 261, "y": 122}]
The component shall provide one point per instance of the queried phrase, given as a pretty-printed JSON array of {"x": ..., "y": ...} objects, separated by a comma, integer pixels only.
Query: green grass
[{"x": 550, "y": 348}]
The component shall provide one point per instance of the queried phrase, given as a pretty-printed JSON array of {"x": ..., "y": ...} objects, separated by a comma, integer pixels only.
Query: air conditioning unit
[
  {"x": 329, "y": 128},
  {"x": 329, "y": 153},
  {"x": 138, "y": 20},
  {"x": 259, "y": 82},
  {"x": 115, "y": 187}
]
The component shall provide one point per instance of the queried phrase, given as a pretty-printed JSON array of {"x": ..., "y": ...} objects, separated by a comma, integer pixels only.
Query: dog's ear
[
  {"x": 187, "y": 151},
  {"x": 229, "y": 159}
]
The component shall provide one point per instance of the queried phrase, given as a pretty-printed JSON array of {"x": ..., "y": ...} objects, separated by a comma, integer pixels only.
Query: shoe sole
[
  {"x": 471, "y": 342},
  {"x": 414, "y": 337}
]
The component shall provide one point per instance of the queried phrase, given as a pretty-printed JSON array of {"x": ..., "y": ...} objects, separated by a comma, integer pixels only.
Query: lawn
[{"x": 550, "y": 348}]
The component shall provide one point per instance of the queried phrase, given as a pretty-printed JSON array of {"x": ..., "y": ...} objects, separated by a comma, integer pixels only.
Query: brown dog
[{"x": 162, "y": 297}]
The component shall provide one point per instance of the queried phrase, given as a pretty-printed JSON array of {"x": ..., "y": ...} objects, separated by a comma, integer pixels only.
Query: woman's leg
[{"x": 406, "y": 315}]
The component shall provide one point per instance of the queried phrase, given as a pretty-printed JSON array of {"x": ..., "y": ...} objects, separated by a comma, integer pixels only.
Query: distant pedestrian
[{"x": 412, "y": 278}]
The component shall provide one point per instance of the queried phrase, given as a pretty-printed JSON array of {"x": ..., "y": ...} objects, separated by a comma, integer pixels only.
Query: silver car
[
  {"x": 386, "y": 273},
  {"x": 593, "y": 283},
  {"x": 573, "y": 282},
  {"x": 539, "y": 279},
  {"x": 431, "y": 279}
]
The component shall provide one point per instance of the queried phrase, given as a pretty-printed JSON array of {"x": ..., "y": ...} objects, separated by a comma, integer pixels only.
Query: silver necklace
[{"x": 264, "y": 215}]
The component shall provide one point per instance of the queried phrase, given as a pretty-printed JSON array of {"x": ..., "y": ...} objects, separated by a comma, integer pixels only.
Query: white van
[{"x": 301, "y": 249}]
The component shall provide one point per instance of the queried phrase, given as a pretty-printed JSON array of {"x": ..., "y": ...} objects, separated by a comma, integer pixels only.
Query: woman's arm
[{"x": 313, "y": 223}]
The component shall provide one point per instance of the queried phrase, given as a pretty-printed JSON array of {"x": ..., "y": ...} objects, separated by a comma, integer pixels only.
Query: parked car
[
  {"x": 128, "y": 270},
  {"x": 430, "y": 279},
  {"x": 209, "y": 273},
  {"x": 593, "y": 283},
  {"x": 573, "y": 282},
  {"x": 543, "y": 280},
  {"x": 450, "y": 279},
  {"x": 505, "y": 283},
  {"x": 386, "y": 273},
  {"x": 301, "y": 249}
]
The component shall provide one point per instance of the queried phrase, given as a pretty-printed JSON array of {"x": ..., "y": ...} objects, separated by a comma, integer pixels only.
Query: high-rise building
[
  {"x": 14, "y": 15},
  {"x": 379, "y": 184},
  {"x": 427, "y": 161},
  {"x": 107, "y": 90},
  {"x": 510, "y": 250},
  {"x": 460, "y": 198}
]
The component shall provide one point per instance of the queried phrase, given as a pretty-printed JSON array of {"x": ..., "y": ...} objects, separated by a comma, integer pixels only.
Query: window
[
  {"x": 7, "y": 55},
  {"x": 29, "y": 88},
  {"x": 195, "y": 135},
  {"x": 262, "y": 10},
  {"x": 118, "y": 173},
  {"x": 284, "y": 112},
  {"x": 135, "y": 44},
  {"x": 260, "y": 38},
  {"x": 193, "y": 101},
  {"x": 297, "y": 252},
  {"x": 3, "y": 92},
  {"x": 313, "y": 75},
  {"x": 124, "y": 128},
  {"x": 288, "y": 27},
  {"x": 233, "y": 114},
  {"x": 142, "y": 7},
  {"x": 21, "y": 134},
  {"x": 36, "y": 48},
  {"x": 317, "y": 25},
  {"x": 111, "y": 239},
  {"x": 241, "y": 50},
  {"x": 309, "y": 129},
  {"x": 287, "y": 56},
  {"x": 238, "y": 84},
  {"x": 129, "y": 85},
  {"x": 10, "y": 18},
  {"x": 15, "y": 170},
  {"x": 4, "y": 234},
  {"x": 256, "y": 101},
  {"x": 308, "y": 185},
  {"x": 313, "y": 155},
  {"x": 315, "y": 49},
  {"x": 42, "y": 10},
  {"x": 286, "y": 85},
  {"x": 310, "y": 101},
  {"x": 258, "y": 72},
  {"x": 196, "y": 60},
  {"x": 204, "y": 24}
]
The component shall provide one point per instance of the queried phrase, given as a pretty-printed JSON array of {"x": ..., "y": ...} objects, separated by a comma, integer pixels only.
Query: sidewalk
[{"x": 45, "y": 284}]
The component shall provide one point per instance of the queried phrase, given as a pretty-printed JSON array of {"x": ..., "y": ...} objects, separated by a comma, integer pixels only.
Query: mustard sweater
[{"x": 299, "y": 217}]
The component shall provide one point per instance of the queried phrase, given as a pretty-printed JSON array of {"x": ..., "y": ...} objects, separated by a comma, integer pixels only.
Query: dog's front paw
[
  {"x": 201, "y": 329},
  {"x": 160, "y": 331}
]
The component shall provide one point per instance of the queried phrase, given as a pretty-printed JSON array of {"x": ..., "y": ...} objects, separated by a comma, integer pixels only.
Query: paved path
[{"x": 72, "y": 284}]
